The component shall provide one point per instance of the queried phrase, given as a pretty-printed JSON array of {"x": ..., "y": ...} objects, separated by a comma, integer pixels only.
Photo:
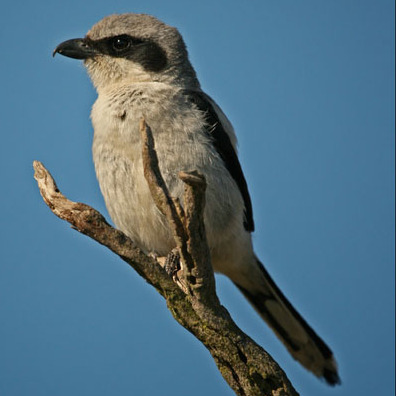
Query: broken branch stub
[{"x": 186, "y": 222}]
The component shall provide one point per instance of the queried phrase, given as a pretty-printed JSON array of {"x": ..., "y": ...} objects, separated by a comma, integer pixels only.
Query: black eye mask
[{"x": 145, "y": 52}]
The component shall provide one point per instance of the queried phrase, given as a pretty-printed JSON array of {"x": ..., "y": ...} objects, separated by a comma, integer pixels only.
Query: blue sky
[{"x": 309, "y": 87}]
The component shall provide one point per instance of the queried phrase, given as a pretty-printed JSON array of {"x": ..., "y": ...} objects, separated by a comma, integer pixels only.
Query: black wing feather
[{"x": 223, "y": 146}]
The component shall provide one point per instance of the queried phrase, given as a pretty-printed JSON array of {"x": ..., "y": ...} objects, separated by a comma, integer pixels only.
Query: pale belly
[{"x": 181, "y": 145}]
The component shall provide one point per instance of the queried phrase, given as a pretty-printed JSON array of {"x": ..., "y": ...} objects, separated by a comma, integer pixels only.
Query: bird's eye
[{"x": 121, "y": 43}]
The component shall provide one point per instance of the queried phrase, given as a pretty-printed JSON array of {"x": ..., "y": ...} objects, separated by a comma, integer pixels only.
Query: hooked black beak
[{"x": 75, "y": 48}]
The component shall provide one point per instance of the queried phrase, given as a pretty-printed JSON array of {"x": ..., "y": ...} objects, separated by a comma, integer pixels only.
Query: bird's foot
[
  {"x": 172, "y": 263},
  {"x": 174, "y": 268}
]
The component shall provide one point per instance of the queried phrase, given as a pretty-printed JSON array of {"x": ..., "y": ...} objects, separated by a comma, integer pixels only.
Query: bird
[{"x": 140, "y": 67}]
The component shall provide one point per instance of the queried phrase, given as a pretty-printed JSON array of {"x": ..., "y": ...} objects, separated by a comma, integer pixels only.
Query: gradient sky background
[{"x": 309, "y": 87}]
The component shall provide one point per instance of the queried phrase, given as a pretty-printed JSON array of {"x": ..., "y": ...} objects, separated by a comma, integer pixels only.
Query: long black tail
[{"x": 299, "y": 338}]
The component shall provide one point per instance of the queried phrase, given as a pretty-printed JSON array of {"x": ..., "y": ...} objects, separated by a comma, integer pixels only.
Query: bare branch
[
  {"x": 188, "y": 229},
  {"x": 247, "y": 368}
]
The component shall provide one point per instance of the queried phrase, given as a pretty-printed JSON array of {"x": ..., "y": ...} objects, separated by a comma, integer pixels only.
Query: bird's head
[{"x": 131, "y": 48}]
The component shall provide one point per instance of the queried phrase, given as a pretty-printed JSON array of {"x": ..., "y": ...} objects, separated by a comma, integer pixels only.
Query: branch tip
[{"x": 193, "y": 178}]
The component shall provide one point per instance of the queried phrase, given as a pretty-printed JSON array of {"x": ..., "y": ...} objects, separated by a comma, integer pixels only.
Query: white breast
[{"x": 182, "y": 145}]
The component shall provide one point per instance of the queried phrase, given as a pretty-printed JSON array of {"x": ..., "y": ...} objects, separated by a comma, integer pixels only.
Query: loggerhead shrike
[{"x": 140, "y": 68}]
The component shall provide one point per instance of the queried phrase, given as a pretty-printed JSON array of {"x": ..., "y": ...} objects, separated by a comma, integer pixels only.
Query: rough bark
[{"x": 190, "y": 294}]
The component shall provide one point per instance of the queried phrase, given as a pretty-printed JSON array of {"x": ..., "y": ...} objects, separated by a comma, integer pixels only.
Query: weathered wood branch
[
  {"x": 186, "y": 221},
  {"x": 248, "y": 369}
]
